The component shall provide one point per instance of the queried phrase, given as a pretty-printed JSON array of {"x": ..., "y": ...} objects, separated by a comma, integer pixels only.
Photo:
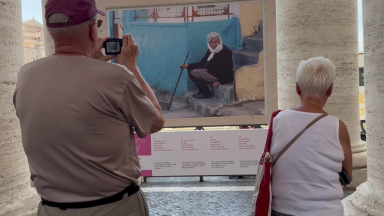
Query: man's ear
[
  {"x": 93, "y": 34},
  {"x": 298, "y": 90},
  {"x": 329, "y": 91}
]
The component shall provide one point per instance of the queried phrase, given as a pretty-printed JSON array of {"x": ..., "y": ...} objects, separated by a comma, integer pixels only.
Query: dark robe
[{"x": 220, "y": 66}]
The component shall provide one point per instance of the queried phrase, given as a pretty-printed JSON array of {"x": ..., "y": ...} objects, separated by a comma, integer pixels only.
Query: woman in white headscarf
[{"x": 215, "y": 68}]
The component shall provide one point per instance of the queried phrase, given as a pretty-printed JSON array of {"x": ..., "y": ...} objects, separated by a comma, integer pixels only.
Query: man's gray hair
[
  {"x": 58, "y": 18},
  {"x": 66, "y": 31},
  {"x": 213, "y": 35},
  {"x": 315, "y": 76}
]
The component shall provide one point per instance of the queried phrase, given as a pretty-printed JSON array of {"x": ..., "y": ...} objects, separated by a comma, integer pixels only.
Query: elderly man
[{"x": 77, "y": 114}]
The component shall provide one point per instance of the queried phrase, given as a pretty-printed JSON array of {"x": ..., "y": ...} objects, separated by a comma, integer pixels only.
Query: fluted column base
[
  {"x": 359, "y": 166},
  {"x": 26, "y": 206},
  {"x": 359, "y": 177},
  {"x": 366, "y": 201}
]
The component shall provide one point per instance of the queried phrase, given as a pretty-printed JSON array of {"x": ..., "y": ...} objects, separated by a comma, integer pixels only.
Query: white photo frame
[{"x": 270, "y": 57}]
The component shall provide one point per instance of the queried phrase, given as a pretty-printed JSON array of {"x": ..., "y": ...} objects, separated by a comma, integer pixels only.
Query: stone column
[
  {"x": 369, "y": 197},
  {"x": 311, "y": 28},
  {"x": 49, "y": 45},
  {"x": 16, "y": 195}
]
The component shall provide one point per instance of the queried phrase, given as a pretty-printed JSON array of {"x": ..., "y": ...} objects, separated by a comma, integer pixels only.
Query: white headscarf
[{"x": 218, "y": 48}]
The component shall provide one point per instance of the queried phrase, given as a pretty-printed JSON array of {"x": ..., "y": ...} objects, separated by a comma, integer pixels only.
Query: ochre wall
[
  {"x": 250, "y": 81},
  {"x": 250, "y": 78},
  {"x": 251, "y": 15}
]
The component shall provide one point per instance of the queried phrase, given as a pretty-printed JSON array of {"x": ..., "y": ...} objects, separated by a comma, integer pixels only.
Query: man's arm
[
  {"x": 160, "y": 120},
  {"x": 130, "y": 54},
  {"x": 345, "y": 142}
]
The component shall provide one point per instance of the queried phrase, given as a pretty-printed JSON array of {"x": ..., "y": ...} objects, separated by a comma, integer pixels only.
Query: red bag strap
[
  {"x": 270, "y": 132},
  {"x": 268, "y": 143}
]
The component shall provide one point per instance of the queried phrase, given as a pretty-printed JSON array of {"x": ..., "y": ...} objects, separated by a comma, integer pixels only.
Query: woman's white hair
[
  {"x": 213, "y": 35},
  {"x": 315, "y": 76}
]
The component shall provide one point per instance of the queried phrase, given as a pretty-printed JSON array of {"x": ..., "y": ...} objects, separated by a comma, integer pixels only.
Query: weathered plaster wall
[
  {"x": 129, "y": 16},
  {"x": 250, "y": 81},
  {"x": 162, "y": 51},
  {"x": 250, "y": 78},
  {"x": 251, "y": 15}
]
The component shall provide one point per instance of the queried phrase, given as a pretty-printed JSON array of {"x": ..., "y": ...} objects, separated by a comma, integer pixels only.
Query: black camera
[{"x": 113, "y": 46}]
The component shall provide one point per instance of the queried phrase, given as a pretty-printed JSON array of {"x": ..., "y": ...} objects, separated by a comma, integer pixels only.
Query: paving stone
[
  {"x": 194, "y": 181},
  {"x": 203, "y": 202},
  {"x": 200, "y": 203}
]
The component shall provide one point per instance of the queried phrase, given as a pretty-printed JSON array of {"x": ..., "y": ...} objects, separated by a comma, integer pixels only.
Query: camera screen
[{"x": 113, "y": 47}]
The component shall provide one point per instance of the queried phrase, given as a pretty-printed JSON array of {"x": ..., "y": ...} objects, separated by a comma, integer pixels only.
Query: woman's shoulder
[
  {"x": 225, "y": 48},
  {"x": 225, "y": 51},
  {"x": 291, "y": 113}
]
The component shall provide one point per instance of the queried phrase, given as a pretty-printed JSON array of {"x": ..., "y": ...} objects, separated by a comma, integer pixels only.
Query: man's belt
[{"x": 132, "y": 189}]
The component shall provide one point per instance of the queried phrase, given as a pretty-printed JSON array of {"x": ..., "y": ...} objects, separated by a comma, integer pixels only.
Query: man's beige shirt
[{"x": 77, "y": 117}]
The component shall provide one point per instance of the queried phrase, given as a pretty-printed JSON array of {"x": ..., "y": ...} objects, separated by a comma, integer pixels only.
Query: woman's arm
[
  {"x": 226, "y": 67},
  {"x": 201, "y": 63},
  {"x": 345, "y": 142}
]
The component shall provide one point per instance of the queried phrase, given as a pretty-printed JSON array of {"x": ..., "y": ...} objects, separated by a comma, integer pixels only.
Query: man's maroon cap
[{"x": 78, "y": 11}]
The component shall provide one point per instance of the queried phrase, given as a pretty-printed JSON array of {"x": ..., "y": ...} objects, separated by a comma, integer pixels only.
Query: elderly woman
[
  {"x": 305, "y": 180},
  {"x": 216, "y": 67}
]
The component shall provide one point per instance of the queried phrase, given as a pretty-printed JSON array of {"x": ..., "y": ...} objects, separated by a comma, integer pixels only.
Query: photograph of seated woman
[{"x": 215, "y": 68}]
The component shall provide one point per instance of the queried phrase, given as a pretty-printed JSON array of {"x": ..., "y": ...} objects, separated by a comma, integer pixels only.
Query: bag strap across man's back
[{"x": 297, "y": 137}]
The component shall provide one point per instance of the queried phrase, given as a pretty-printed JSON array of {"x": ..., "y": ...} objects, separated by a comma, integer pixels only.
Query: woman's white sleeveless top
[{"x": 305, "y": 180}]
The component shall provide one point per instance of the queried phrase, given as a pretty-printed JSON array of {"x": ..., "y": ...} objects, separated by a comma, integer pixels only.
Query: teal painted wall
[
  {"x": 163, "y": 47},
  {"x": 130, "y": 15},
  {"x": 111, "y": 29},
  {"x": 111, "y": 22},
  {"x": 162, "y": 51}
]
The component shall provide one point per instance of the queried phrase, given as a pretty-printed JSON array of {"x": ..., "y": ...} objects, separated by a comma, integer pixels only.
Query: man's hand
[
  {"x": 98, "y": 54},
  {"x": 130, "y": 52},
  {"x": 216, "y": 84},
  {"x": 184, "y": 66}
]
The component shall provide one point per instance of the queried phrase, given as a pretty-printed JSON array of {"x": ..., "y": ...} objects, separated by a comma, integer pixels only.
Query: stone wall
[
  {"x": 16, "y": 195},
  {"x": 251, "y": 15},
  {"x": 250, "y": 81}
]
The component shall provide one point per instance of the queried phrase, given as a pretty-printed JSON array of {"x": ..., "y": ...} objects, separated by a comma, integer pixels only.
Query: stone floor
[
  {"x": 216, "y": 196},
  {"x": 188, "y": 107}
]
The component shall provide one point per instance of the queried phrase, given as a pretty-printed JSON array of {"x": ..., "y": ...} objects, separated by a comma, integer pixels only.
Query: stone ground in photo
[
  {"x": 216, "y": 196},
  {"x": 189, "y": 107}
]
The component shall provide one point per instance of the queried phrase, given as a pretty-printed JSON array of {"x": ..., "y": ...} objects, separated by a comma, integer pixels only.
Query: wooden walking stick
[{"x": 181, "y": 72}]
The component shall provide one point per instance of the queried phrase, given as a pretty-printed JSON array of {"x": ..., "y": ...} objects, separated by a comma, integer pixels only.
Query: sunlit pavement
[{"x": 216, "y": 196}]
